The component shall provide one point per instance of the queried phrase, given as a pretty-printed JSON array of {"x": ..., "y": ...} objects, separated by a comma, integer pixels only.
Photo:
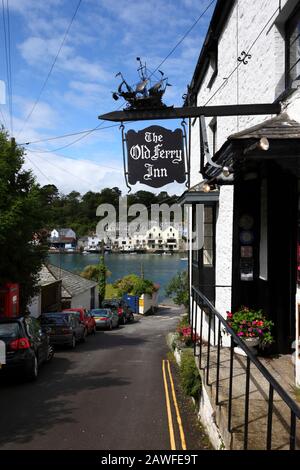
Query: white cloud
[
  {"x": 39, "y": 52},
  {"x": 82, "y": 175}
]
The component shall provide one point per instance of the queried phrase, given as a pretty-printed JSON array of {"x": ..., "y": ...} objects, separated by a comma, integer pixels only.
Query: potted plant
[{"x": 252, "y": 327}]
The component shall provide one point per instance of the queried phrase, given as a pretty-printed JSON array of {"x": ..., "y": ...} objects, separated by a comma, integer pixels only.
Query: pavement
[{"x": 108, "y": 393}]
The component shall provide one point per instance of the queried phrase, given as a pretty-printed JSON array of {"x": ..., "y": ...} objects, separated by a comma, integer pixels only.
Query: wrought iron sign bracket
[
  {"x": 192, "y": 112},
  {"x": 122, "y": 127},
  {"x": 186, "y": 151}
]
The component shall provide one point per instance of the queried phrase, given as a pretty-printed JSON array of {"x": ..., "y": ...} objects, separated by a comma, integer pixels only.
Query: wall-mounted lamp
[
  {"x": 227, "y": 171},
  {"x": 206, "y": 188},
  {"x": 262, "y": 144}
]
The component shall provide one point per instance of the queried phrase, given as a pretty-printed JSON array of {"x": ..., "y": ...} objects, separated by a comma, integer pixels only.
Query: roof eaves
[{"x": 221, "y": 13}]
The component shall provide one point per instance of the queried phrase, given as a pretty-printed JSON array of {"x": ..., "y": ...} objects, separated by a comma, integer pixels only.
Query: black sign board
[{"x": 155, "y": 156}]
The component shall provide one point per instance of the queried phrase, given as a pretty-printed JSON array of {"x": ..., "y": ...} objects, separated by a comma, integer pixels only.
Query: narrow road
[{"x": 108, "y": 393}]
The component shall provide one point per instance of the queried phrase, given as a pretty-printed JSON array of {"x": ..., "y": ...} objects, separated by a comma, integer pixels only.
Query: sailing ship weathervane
[{"x": 146, "y": 94}]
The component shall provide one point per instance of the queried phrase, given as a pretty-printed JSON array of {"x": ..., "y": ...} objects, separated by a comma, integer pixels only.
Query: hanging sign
[{"x": 155, "y": 156}]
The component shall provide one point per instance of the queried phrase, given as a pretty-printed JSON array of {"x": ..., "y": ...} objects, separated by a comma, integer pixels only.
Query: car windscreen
[
  {"x": 76, "y": 314},
  {"x": 58, "y": 319},
  {"x": 110, "y": 304},
  {"x": 98, "y": 312},
  {"x": 9, "y": 330}
]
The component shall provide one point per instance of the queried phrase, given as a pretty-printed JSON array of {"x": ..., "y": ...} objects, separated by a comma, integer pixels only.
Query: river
[{"x": 158, "y": 268}]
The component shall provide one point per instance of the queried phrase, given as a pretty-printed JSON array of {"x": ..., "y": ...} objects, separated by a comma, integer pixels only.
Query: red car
[{"x": 85, "y": 317}]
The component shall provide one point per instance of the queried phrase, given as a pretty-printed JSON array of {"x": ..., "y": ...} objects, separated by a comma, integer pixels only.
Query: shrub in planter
[{"x": 189, "y": 375}]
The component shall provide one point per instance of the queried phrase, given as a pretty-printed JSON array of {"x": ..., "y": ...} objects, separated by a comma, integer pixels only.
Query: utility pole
[{"x": 142, "y": 270}]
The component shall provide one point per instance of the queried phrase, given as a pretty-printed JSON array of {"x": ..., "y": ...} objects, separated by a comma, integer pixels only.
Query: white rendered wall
[
  {"x": 84, "y": 300},
  {"x": 262, "y": 80}
]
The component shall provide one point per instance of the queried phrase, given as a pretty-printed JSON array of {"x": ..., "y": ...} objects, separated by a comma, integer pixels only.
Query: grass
[{"x": 297, "y": 393}]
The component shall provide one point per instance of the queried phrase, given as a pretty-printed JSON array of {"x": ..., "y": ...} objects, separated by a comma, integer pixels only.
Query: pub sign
[{"x": 155, "y": 156}]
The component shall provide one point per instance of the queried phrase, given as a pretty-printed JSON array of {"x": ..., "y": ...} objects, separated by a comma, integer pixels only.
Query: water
[{"x": 158, "y": 268}]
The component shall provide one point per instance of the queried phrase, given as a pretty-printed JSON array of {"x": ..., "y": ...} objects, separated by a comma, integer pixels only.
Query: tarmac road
[{"x": 108, "y": 393}]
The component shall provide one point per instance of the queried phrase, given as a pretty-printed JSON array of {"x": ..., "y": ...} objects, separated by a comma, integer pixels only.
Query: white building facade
[{"x": 251, "y": 55}]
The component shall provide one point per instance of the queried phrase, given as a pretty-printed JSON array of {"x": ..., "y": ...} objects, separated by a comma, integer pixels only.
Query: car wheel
[
  {"x": 33, "y": 370},
  {"x": 50, "y": 353},
  {"x": 84, "y": 336},
  {"x": 73, "y": 342}
]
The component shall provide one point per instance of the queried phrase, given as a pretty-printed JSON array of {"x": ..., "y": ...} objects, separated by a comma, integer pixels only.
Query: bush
[
  {"x": 134, "y": 285},
  {"x": 184, "y": 331},
  {"x": 189, "y": 375},
  {"x": 178, "y": 289}
]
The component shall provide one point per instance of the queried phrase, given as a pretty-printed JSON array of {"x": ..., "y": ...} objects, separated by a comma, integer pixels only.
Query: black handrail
[{"x": 202, "y": 301}]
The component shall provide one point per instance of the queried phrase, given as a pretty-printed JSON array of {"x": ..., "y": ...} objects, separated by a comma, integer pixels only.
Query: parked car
[
  {"x": 27, "y": 346},
  {"x": 64, "y": 328},
  {"x": 105, "y": 318},
  {"x": 84, "y": 317},
  {"x": 123, "y": 310}
]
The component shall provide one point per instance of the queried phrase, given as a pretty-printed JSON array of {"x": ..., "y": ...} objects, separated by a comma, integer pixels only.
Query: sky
[{"x": 105, "y": 38}]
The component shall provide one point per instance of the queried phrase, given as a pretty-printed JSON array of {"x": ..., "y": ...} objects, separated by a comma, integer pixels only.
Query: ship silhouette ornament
[{"x": 146, "y": 94}]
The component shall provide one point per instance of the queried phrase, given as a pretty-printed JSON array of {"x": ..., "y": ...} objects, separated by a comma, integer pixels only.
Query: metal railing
[{"x": 216, "y": 326}]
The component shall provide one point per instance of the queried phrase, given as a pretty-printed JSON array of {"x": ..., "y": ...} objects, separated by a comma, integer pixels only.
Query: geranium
[
  {"x": 248, "y": 323},
  {"x": 186, "y": 335}
]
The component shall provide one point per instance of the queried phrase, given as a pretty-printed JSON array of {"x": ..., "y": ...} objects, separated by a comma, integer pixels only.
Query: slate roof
[
  {"x": 46, "y": 277},
  {"x": 279, "y": 127},
  {"x": 72, "y": 284}
]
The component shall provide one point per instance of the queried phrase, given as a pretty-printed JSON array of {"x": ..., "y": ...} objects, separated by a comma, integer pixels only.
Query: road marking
[
  {"x": 168, "y": 404},
  {"x": 179, "y": 421}
]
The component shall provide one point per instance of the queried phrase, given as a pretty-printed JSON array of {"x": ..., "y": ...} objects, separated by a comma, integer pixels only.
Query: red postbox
[{"x": 9, "y": 300}]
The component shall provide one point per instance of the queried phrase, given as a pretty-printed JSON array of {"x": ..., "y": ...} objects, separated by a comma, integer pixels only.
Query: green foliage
[
  {"x": 92, "y": 272},
  {"x": 134, "y": 285},
  {"x": 102, "y": 279},
  {"x": 79, "y": 211},
  {"x": 178, "y": 289},
  {"x": 189, "y": 374},
  {"x": 110, "y": 292},
  {"x": 22, "y": 242}
]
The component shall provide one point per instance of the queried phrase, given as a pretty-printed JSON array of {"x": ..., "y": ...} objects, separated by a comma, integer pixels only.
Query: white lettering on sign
[
  {"x": 152, "y": 137},
  {"x": 143, "y": 152},
  {"x": 156, "y": 173},
  {"x": 2, "y": 353}
]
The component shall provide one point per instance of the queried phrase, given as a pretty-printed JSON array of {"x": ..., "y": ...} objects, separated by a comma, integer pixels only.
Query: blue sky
[{"x": 105, "y": 38}]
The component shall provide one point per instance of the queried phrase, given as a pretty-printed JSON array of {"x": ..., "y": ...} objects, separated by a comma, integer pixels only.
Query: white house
[
  {"x": 63, "y": 238},
  {"x": 76, "y": 291}
]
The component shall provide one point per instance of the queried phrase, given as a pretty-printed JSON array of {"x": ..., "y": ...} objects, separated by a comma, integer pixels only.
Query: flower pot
[{"x": 252, "y": 344}]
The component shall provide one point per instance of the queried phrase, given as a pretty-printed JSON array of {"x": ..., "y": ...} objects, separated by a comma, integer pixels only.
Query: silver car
[{"x": 105, "y": 318}]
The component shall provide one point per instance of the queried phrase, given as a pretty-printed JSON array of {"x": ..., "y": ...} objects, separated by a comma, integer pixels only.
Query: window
[
  {"x": 213, "y": 127},
  {"x": 208, "y": 247},
  {"x": 293, "y": 48},
  {"x": 213, "y": 65}
]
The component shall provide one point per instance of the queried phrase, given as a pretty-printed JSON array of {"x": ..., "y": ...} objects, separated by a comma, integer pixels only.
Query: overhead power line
[
  {"x": 87, "y": 131},
  {"x": 51, "y": 68},
  {"x": 184, "y": 36},
  {"x": 41, "y": 151},
  {"x": 7, "y": 47},
  {"x": 240, "y": 63}
]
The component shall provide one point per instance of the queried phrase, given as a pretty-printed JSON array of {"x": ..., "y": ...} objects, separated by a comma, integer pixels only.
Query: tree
[
  {"x": 178, "y": 289},
  {"x": 22, "y": 215},
  {"x": 102, "y": 279},
  {"x": 92, "y": 271}
]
